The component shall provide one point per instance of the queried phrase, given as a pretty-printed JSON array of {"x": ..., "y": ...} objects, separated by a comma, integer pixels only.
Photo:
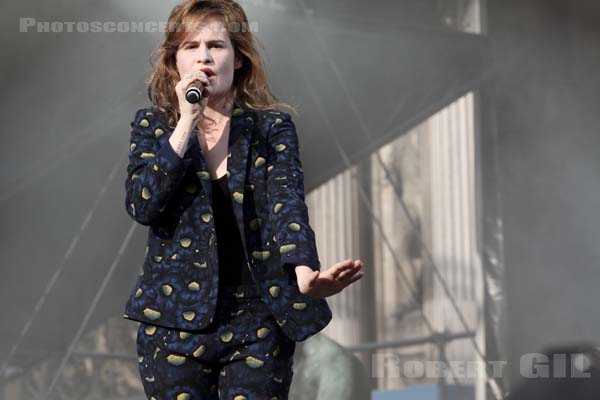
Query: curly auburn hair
[{"x": 249, "y": 87}]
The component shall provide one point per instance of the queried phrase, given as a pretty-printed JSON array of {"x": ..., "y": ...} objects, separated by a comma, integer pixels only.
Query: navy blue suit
[{"x": 178, "y": 284}]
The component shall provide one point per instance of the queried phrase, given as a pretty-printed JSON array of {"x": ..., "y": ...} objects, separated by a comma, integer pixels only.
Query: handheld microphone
[{"x": 193, "y": 94}]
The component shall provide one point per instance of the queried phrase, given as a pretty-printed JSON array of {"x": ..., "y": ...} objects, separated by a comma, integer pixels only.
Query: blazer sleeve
[
  {"x": 288, "y": 212},
  {"x": 153, "y": 171}
]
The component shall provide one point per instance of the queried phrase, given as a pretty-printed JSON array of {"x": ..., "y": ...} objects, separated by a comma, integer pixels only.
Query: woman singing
[{"x": 231, "y": 278}]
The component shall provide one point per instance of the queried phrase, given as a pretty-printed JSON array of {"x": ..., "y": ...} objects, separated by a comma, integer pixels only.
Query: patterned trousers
[{"x": 242, "y": 354}]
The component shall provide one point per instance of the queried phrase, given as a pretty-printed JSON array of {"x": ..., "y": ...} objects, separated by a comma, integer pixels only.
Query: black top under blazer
[
  {"x": 179, "y": 280},
  {"x": 232, "y": 261}
]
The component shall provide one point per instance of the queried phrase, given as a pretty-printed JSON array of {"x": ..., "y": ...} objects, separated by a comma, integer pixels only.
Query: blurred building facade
[{"x": 410, "y": 208}]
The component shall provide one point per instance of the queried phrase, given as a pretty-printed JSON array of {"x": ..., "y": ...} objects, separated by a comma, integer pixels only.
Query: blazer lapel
[
  {"x": 200, "y": 166},
  {"x": 240, "y": 137}
]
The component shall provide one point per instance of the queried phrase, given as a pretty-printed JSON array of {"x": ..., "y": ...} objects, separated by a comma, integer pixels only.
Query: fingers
[
  {"x": 355, "y": 277},
  {"x": 202, "y": 77},
  {"x": 337, "y": 268},
  {"x": 196, "y": 74},
  {"x": 349, "y": 272},
  {"x": 334, "y": 279},
  {"x": 191, "y": 76},
  {"x": 350, "y": 275},
  {"x": 347, "y": 265},
  {"x": 343, "y": 264}
]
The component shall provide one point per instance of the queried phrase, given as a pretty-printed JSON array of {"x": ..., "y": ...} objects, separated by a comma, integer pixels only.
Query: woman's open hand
[{"x": 323, "y": 284}]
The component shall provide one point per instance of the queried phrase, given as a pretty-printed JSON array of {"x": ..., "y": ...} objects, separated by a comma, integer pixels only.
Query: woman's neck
[{"x": 215, "y": 116}]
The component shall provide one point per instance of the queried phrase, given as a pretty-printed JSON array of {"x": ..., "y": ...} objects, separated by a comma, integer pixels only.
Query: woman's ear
[{"x": 238, "y": 62}]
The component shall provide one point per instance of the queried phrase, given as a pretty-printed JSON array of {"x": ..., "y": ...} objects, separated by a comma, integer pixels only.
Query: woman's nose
[{"x": 204, "y": 55}]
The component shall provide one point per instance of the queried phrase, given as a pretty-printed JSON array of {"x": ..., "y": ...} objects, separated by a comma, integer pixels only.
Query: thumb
[{"x": 313, "y": 278}]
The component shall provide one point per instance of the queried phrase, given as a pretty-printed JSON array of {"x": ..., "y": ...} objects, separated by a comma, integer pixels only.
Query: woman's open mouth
[{"x": 208, "y": 72}]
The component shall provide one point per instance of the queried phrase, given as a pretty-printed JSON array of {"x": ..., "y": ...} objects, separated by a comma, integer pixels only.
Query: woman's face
[{"x": 209, "y": 46}]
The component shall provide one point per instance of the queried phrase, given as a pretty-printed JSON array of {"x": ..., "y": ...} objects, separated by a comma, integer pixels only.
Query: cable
[{"x": 96, "y": 299}]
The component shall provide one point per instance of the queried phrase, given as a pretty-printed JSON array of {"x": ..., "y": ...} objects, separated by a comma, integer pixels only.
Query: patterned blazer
[{"x": 178, "y": 283}]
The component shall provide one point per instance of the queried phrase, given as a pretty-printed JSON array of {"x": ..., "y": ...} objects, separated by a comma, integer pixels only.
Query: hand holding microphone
[{"x": 194, "y": 86}]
